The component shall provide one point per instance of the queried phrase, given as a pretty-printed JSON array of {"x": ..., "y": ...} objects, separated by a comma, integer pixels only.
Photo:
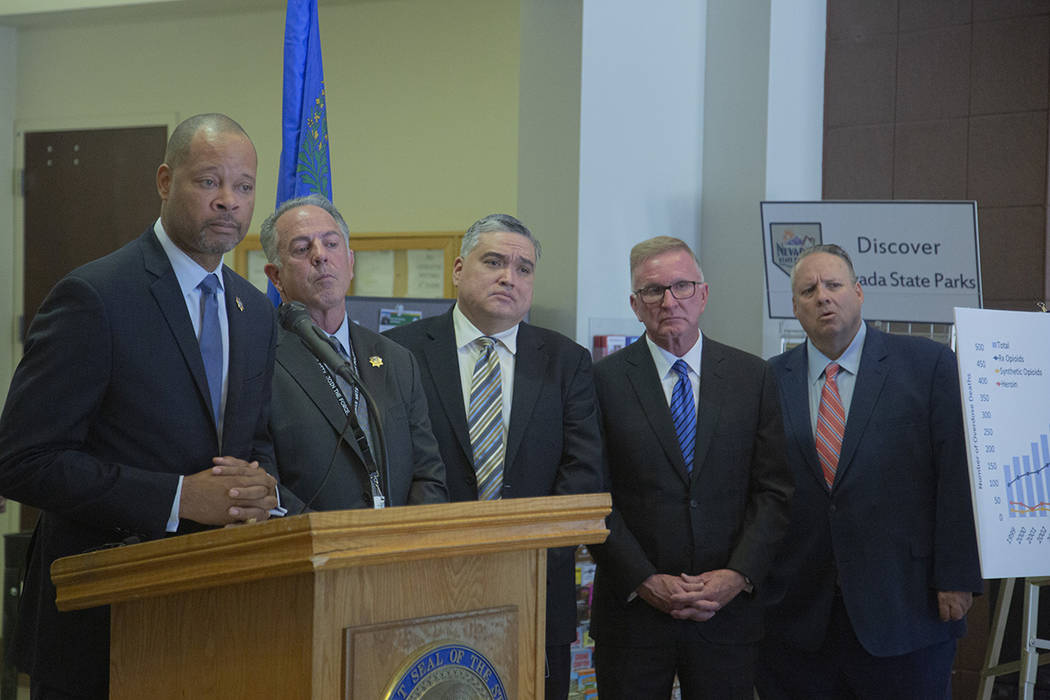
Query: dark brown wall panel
[
  {"x": 947, "y": 99},
  {"x": 929, "y": 160},
  {"x": 1010, "y": 62},
  {"x": 858, "y": 162},
  {"x": 932, "y": 79},
  {"x": 1008, "y": 160}
]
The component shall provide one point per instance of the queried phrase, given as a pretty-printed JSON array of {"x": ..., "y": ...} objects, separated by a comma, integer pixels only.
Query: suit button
[
  {"x": 832, "y": 509},
  {"x": 693, "y": 503}
]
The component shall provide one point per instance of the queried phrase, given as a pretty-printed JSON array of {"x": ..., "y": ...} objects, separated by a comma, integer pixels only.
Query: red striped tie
[{"x": 831, "y": 423}]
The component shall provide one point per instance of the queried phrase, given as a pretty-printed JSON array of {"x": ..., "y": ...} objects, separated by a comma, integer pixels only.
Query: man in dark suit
[
  {"x": 140, "y": 405},
  {"x": 700, "y": 495},
  {"x": 312, "y": 420},
  {"x": 880, "y": 562},
  {"x": 535, "y": 424}
]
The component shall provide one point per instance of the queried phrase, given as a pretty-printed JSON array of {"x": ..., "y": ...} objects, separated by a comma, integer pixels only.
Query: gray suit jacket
[{"x": 306, "y": 420}]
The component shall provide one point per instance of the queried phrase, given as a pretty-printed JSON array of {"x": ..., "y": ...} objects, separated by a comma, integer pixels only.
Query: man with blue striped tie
[{"x": 700, "y": 495}]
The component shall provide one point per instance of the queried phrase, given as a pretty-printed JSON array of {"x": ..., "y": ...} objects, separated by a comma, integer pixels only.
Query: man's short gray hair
[
  {"x": 658, "y": 245},
  {"x": 494, "y": 223},
  {"x": 268, "y": 232},
  {"x": 830, "y": 249}
]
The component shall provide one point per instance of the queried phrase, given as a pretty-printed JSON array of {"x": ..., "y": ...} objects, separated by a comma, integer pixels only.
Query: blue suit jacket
[
  {"x": 108, "y": 406},
  {"x": 554, "y": 444},
  {"x": 897, "y": 526}
]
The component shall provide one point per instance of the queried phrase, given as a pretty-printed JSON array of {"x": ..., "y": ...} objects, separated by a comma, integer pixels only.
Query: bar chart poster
[{"x": 1004, "y": 373}]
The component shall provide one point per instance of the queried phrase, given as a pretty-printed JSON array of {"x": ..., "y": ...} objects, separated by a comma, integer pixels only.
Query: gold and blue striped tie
[{"x": 485, "y": 420}]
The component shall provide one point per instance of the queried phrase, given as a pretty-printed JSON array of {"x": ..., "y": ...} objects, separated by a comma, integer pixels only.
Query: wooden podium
[{"x": 423, "y": 601}]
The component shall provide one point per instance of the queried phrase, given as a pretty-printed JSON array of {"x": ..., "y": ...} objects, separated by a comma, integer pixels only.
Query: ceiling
[{"x": 37, "y": 13}]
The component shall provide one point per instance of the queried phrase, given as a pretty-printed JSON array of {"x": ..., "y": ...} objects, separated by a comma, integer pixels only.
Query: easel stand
[{"x": 1031, "y": 659}]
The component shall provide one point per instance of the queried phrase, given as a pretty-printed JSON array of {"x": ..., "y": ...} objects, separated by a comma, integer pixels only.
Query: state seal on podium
[{"x": 447, "y": 671}]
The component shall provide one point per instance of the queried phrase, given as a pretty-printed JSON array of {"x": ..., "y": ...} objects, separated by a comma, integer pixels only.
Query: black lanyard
[{"x": 359, "y": 434}]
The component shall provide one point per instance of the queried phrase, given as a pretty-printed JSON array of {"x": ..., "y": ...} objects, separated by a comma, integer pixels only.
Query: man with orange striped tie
[{"x": 873, "y": 582}]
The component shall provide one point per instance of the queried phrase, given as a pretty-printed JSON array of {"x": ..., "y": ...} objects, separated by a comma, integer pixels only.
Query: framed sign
[{"x": 915, "y": 260}]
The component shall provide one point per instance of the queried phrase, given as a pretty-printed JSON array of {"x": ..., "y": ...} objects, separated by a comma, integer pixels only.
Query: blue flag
[{"x": 305, "y": 165}]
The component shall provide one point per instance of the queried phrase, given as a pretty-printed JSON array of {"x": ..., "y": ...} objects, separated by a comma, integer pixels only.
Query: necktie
[
  {"x": 351, "y": 393},
  {"x": 485, "y": 421},
  {"x": 683, "y": 412},
  {"x": 211, "y": 342},
  {"x": 831, "y": 424}
]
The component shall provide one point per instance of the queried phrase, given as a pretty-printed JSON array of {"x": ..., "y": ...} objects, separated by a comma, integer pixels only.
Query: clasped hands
[
  {"x": 232, "y": 491},
  {"x": 688, "y": 597}
]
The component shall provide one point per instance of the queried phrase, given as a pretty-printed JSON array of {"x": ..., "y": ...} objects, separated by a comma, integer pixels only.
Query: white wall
[
  {"x": 795, "y": 136},
  {"x": 734, "y": 163},
  {"x": 548, "y": 152},
  {"x": 641, "y": 147}
]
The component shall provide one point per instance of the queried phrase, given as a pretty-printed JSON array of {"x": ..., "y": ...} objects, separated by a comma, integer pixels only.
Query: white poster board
[
  {"x": 1004, "y": 374},
  {"x": 915, "y": 260}
]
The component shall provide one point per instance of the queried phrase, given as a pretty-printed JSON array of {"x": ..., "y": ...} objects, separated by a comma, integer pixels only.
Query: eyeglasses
[{"x": 682, "y": 289}]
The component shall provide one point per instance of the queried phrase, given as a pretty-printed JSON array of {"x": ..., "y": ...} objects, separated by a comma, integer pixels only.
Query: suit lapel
[
  {"x": 373, "y": 376},
  {"x": 166, "y": 291},
  {"x": 871, "y": 376},
  {"x": 641, "y": 373},
  {"x": 300, "y": 363},
  {"x": 442, "y": 360},
  {"x": 239, "y": 336},
  {"x": 712, "y": 386},
  {"x": 530, "y": 367},
  {"x": 794, "y": 388}
]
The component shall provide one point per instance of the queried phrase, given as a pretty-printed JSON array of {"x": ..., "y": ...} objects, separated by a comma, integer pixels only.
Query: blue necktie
[
  {"x": 684, "y": 413},
  {"x": 211, "y": 342}
]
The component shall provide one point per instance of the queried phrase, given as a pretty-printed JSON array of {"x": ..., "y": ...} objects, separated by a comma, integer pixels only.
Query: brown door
[{"x": 86, "y": 194}]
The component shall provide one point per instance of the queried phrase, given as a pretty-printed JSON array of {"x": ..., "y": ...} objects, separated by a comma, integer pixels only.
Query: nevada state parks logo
[
  {"x": 447, "y": 671},
  {"x": 789, "y": 240}
]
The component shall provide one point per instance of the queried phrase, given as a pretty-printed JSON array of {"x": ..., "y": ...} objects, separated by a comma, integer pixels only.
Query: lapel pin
[
  {"x": 240, "y": 304},
  {"x": 376, "y": 361}
]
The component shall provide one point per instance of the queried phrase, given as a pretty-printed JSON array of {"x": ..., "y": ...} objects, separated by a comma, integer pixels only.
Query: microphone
[{"x": 294, "y": 318}]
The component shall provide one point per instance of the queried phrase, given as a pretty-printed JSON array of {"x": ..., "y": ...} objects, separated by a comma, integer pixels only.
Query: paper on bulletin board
[
  {"x": 426, "y": 273},
  {"x": 257, "y": 270},
  {"x": 374, "y": 273}
]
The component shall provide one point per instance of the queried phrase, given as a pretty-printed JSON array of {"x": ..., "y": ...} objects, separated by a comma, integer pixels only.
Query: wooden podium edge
[{"x": 323, "y": 541}]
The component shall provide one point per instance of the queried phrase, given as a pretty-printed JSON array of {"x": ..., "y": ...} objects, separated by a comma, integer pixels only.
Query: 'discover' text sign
[{"x": 916, "y": 261}]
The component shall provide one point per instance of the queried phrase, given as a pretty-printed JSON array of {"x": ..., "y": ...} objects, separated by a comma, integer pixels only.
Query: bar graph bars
[{"x": 1027, "y": 481}]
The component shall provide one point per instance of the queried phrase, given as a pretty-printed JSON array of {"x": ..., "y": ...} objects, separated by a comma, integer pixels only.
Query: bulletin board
[{"x": 407, "y": 264}]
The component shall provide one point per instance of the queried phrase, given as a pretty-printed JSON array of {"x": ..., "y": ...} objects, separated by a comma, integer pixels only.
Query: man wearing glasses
[{"x": 700, "y": 488}]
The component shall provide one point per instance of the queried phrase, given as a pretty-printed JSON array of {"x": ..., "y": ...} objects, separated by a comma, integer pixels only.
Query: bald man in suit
[{"x": 140, "y": 406}]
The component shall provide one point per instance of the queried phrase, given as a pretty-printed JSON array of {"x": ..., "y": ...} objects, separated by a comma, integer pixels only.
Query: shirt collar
[
  {"x": 342, "y": 333},
  {"x": 467, "y": 332},
  {"x": 664, "y": 359},
  {"x": 188, "y": 271},
  {"x": 848, "y": 360}
]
